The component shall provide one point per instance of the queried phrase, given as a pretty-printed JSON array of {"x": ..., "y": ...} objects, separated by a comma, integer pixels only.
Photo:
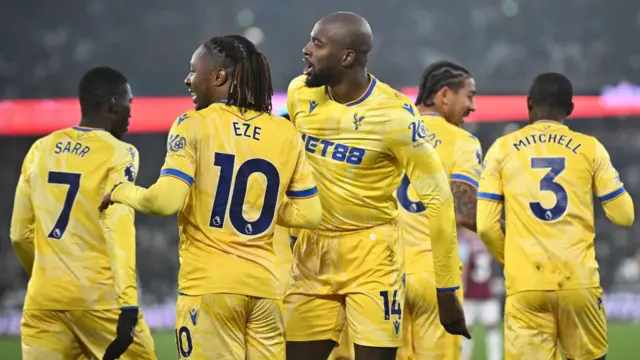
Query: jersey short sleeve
[
  {"x": 606, "y": 179},
  {"x": 491, "y": 180},
  {"x": 292, "y": 100},
  {"x": 180, "y": 161},
  {"x": 467, "y": 161},
  {"x": 125, "y": 168},
  {"x": 302, "y": 183}
]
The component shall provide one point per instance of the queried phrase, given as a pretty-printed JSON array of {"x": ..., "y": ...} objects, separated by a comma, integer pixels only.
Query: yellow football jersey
[
  {"x": 239, "y": 166},
  {"x": 461, "y": 156},
  {"x": 84, "y": 260},
  {"x": 547, "y": 174},
  {"x": 359, "y": 152}
]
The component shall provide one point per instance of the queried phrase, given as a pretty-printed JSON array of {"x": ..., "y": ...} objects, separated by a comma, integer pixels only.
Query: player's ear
[
  {"x": 529, "y": 104},
  {"x": 444, "y": 94},
  {"x": 112, "y": 106},
  {"x": 570, "y": 110},
  {"x": 348, "y": 58},
  {"x": 219, "y": 77}
]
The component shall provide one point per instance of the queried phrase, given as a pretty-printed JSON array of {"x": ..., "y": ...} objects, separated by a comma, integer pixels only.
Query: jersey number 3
[
  {"x": 547, "y": 183},
  {"x": 73, "y": 181},
  {"x": 226, "y": 164}
]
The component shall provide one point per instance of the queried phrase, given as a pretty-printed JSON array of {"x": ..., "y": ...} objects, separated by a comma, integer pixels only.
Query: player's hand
[
  {"x": 106, "y": 200},
  {"x": 124, "y": 334},
  {"x": 451, "y": 314}
]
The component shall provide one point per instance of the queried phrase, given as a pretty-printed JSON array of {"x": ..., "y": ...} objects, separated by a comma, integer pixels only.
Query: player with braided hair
[
  {"x": 232, "y": 172},
  {"x": 444, "y": 99}
]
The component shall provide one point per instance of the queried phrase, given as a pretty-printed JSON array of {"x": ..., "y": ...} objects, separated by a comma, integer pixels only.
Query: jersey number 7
[
  {"x": 73, "y": 181},
  {"x": 226, "y": 163},
  {"x": 556, "y": 165}
]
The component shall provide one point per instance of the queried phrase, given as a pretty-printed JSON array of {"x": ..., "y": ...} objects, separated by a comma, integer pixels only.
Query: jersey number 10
[{"x": 226, "y": 164}]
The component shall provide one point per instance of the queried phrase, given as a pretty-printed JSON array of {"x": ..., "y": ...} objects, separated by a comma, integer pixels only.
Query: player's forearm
[
  {"x": 444, "y": 244},
  {"x": 490, "y": 229},
  {"x": 163, "y": 198},
  {"x": 620, "y": 210},
  {"x": 300, "y": 213},
  {"x": 22, "y": 224},
  {"x": 465, "y": 197},
  {"x": 119, "y": 229}
]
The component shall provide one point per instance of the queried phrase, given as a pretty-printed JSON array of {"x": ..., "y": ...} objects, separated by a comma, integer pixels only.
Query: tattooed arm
[{"x": 464, "y": 195}]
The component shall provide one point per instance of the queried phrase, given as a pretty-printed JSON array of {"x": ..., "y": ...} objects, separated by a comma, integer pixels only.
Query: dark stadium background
[{"x": 46, "y": 46}]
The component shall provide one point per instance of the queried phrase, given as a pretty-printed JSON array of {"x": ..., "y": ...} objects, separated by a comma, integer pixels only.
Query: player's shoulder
[
  {"x": 387, "y": 96},
  {"x": 298, "y": 83},
  {"x": 189, "y": 117},
  {"x": 298, "y": 90}
]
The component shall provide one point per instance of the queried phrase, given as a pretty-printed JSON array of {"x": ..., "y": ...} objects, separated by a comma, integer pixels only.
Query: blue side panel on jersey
[
  {"x": 612, "y": 195},
  {"x": 465, "y": 178},
  {"x": 177, "y": 173},
  {"x": 302, "y": 193},
  {"x": 449, "y": 289},
  {"x": 490, "y": 196}
]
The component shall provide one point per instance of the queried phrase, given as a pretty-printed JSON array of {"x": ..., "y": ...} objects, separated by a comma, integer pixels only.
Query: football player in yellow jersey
[
  {"x": 232, "y": 169},
  {"x": 82, "y": 297},
  {"x": 545, "y": 175},
  {"x": 444, "y": 99},
  {"x": 360, "y": 136}
]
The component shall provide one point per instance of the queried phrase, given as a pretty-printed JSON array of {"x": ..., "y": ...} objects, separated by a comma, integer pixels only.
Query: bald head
[{"x": 349, "y": 29}]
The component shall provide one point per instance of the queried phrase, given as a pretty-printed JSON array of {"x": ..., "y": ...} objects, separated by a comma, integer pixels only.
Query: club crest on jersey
[
  {"x": 177, "y": 143},
  {"x": 312, "y": 106},
  {"x": 418, "y": 130},
  {"x": 130, "y": 173},
  {"x": 357, "y": 121}
]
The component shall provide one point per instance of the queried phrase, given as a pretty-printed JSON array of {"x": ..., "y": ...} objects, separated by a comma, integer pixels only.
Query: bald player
[{"x": 360, "y": 137}]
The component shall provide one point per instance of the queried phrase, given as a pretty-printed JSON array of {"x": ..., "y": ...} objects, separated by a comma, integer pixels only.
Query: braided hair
[
  {"x": 248, "y": 68},
  {"x": 437, "y": 76}
]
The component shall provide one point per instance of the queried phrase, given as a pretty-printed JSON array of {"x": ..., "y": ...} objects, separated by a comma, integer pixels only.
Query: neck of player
[
  {"x": 352, "y": 87},
  {"x": 424, "y": 110},
  {"x": 95, "y": 123}
]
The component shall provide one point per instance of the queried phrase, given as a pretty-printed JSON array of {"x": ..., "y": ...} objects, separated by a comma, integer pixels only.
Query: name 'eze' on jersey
[
  {"x": 350, "y": 148},
  {"x": 240, "y": 166}
]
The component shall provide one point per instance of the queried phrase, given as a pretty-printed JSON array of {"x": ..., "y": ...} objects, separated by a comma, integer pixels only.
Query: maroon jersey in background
[{"x": 479, "y": 267}]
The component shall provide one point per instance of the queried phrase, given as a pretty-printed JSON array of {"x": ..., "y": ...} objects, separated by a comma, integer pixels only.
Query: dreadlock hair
[
  {"x": 437, "y": 76},
  {"x": 248, "y": 68}
]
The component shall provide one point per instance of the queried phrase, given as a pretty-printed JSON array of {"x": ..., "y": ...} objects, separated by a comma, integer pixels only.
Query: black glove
[{"x": 124, "y": 334}]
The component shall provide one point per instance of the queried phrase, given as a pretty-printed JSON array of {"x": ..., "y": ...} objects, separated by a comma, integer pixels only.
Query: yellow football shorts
[
  {"x": 424, "y": 336},
  {"x": 536, "y": 321},
  {"x": 229, "y": 326},
  {"x": 63, "y": 335},
  {"x": 355, "y": 278}
]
